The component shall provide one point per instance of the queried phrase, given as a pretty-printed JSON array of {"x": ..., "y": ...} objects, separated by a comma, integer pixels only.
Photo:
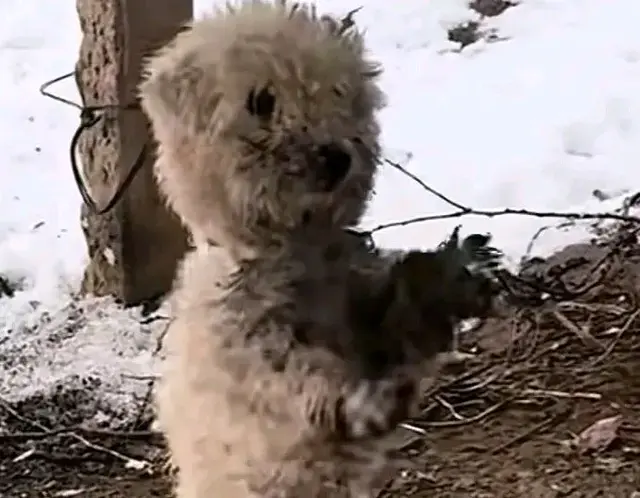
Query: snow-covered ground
[{"x": 538, "y": 120}]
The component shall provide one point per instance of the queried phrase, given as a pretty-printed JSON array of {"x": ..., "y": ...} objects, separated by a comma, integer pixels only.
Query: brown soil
[{"x": 506, "y": 427}]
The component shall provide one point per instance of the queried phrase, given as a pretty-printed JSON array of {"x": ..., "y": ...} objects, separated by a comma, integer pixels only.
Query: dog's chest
[
  {"x": 320, "y": 284},
  {"x": 321, "y": 296}
]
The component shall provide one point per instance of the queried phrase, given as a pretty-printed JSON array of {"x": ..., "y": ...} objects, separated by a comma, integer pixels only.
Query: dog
[{"x": 282, "y": 378}]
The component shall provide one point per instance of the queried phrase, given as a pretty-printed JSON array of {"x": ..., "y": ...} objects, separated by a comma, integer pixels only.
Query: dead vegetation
[{"x": 550, "y": 405}]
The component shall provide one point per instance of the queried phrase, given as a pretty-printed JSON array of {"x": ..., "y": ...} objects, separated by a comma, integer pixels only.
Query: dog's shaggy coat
[{"x": 279, "y": 380}]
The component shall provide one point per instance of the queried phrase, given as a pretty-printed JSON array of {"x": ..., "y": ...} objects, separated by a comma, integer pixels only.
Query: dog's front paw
[
  {"x": 475, "y": 252},
  {"x": 375, "y": 407}
]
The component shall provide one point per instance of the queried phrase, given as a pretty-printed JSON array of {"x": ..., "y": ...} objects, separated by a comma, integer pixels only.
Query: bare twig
[
  {"x": 463, "y": 210},
  {"x": 429, "y": 189},
  {"x": 449, "y": 407},
  {"x": 562, "y": 394},
  {"x": 519, "y": 438},
  {"x": 506, "y": 212},
  {"x": 616, "y": 339},
  {"x": 593, "y": 308},
  {"x": 470, "y": 420},
  {"x": 413, "y": 428},
  {"x": 146, "y": 400},
  {"x": 581, "y": 332},
  {"x": 62, "y": 431}
]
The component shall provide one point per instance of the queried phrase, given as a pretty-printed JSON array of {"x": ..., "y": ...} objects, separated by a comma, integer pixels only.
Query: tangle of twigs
[{"x": 461, "y": 210}]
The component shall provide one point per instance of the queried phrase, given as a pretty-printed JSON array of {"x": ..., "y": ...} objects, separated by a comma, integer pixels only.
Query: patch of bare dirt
[
  {"x": 491, "y": 8},
  {"x": 470, "y": 32},
  {"x": 550, "y": 406},
  {"x": 83, "y": 464}
]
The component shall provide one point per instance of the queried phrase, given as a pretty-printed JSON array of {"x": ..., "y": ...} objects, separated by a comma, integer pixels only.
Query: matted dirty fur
[{"x": 280, "y": 380}]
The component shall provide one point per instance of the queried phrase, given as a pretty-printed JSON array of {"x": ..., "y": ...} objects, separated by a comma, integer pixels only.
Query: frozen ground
[{"x": 538, "y": 120}]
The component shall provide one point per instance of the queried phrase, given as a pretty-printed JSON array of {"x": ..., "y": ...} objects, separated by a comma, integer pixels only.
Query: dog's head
[{"x": 264, "y": 114}]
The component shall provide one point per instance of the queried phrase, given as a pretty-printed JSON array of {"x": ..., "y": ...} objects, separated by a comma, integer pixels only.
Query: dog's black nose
[{"x": 334, "y": 166}]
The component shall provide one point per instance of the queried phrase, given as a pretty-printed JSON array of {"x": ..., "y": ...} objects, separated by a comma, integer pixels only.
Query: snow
[{"x": 539, "y": 119}]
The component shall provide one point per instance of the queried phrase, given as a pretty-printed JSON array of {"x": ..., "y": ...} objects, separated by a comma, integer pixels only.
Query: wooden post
[{"x": 134, "y": 248}]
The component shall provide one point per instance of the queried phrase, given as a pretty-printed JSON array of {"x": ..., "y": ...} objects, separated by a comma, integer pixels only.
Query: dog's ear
[
  {"x": 178, "y": 87},
  {"x": 162, "y": 92}
]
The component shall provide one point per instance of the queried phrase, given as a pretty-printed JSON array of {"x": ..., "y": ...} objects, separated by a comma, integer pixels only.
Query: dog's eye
[{"x": 261, "y": 104}]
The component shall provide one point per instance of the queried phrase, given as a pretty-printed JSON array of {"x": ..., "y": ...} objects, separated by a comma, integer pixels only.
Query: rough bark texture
[{"x": 134, "y": 248}]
